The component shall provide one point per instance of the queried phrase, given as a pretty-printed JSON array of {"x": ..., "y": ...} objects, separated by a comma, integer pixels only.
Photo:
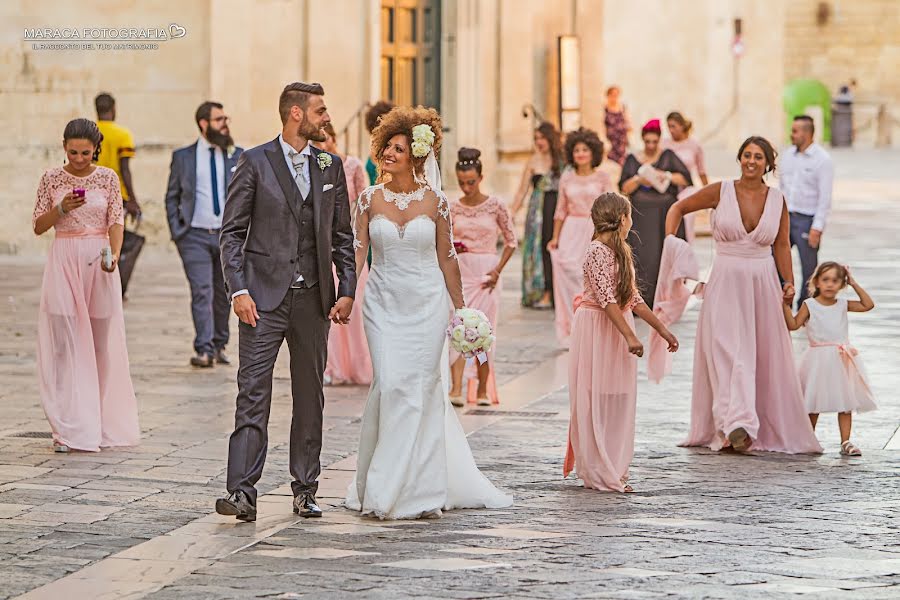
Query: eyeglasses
[{"x": 221, "y": 120}]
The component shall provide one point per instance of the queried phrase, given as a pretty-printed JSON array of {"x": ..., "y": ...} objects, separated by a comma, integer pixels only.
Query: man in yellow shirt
[{"x": 116, "y": 150}]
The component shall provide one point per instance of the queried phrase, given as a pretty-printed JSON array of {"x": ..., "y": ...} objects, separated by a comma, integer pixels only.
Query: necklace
[{"x": 402, "y": 199}]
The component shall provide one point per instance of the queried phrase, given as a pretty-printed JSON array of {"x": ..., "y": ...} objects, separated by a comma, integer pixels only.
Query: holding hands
[{"x": 340, "y": 312}]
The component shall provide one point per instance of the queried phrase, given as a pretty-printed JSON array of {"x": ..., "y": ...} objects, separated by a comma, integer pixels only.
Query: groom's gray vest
[{"x": 307, "y": 257}]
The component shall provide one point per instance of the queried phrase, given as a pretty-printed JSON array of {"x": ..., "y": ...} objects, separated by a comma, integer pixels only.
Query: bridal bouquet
[{"x": 471, "y": 333}]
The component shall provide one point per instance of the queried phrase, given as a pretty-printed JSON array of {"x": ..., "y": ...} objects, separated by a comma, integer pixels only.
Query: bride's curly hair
[{"x": 400, "y": 121}]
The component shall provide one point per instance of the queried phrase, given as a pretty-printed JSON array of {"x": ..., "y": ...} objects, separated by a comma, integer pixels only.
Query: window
[{"x": 410, "y": 52}]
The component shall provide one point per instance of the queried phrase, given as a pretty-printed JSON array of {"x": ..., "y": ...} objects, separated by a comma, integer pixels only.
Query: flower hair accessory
[{"x": 423, "y": 139}]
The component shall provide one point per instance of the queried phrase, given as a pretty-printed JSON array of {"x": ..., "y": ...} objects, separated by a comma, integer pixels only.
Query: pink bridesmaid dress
[
  {"x": 82, "y": 358},
  {"x": 690, "y": 152},
  {"x": 576, "y": 197},
  {"x": 602, "y": 381},
  {"x": 744, "y": 371},
  {"x": 348, "y": 351},
  {"x": 478, "y": 229}
]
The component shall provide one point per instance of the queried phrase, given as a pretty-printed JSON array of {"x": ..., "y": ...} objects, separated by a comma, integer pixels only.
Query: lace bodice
[
  {"x": 103, "y": 199},
  {"x": 423, "y": 211},
  {"x": 578, "y": 192},
  {"x": 600, "y": 277},
  {"x": 479, "y": 227}
]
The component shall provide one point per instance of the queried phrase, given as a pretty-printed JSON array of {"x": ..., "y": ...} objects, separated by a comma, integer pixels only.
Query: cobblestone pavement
[{"x": 136, "y": 523}]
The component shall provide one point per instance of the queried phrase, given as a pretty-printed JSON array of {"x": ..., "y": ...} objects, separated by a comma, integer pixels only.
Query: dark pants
[
  {"x": 549, "y": 209},
  {"x": 809, "y": 256},
  {"x": 210, "y": 307},
  {"x": 298, "y": 319}
]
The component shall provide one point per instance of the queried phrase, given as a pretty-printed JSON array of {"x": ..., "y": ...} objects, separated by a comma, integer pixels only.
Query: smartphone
[{"x": 78, "y": 192}]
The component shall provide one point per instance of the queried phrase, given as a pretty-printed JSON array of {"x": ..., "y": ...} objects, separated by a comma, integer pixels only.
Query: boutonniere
[
  {"x": 324, "y": 160},
  {"x": 229, "y": 151}
]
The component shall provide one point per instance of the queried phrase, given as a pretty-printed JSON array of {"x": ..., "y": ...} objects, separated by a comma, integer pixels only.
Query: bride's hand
[{"x": 340, "y": 313}]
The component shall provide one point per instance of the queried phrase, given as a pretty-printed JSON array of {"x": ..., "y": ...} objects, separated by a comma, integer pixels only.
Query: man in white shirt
[
  {"x": 806, "y": 176},
  {"x": 195, "y": 201}
]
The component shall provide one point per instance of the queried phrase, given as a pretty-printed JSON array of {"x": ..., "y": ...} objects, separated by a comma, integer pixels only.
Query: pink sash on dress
[{"x": 848, "y": 357}]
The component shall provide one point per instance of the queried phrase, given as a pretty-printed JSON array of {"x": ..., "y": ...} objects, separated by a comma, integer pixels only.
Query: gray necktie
[{"x": 301, "y": 172}]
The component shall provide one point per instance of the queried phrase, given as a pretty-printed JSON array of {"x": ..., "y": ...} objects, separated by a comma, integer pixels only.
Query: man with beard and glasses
[{"x": 195, "y": 200}]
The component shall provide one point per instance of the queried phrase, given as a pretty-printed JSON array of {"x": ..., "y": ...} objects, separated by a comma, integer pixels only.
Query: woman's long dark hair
[
  {"x": 84, "y": 129},
  {"x": 549, "y": 132}
]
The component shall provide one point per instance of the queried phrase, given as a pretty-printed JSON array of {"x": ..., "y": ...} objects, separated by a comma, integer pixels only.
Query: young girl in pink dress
[
  {"x": 831, "y": 373},
  {"x": 604, "y": 352},
  {"x": 478, "y": 221},
  {"x": 746, "y": 392},
  {"x": 348, "y": 352},
  {"x": 82, "y": 359},
  {"x": 572, "y": 227}
]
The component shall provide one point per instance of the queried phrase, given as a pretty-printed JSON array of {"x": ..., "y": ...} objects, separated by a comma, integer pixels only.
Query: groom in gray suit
[{"x": 287, "y": 220}]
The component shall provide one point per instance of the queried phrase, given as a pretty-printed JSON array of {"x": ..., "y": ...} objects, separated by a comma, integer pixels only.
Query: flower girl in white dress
[
  {"x": 414, "y": 460},
  {"x": 831, "y": 372}
]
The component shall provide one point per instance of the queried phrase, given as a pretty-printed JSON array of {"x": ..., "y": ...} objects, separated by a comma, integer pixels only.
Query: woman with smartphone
[{"x": 82, "y": 359}]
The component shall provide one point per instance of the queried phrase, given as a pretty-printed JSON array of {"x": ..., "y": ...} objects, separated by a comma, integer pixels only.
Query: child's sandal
[{"x": 849, "y": 449}]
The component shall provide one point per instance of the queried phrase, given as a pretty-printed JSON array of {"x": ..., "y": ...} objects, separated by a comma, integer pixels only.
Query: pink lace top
[
  {"x": 103, "y": 199},
  {"x": 600, "y": 277},
  {"x": 689, "y": 151},
  {"x": 479, "y": 227},
  {"x": 578, "y": 192}
]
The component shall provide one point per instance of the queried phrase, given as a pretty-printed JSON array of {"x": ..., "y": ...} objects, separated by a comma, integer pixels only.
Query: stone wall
[{"x": 855, "y": 40}]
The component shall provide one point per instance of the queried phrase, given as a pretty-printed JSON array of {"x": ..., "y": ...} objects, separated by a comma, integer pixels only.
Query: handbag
[{"x": 132, "y": 243}]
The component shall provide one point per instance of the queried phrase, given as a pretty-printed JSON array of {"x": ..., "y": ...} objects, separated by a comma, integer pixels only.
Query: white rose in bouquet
[
  {"x": 484, "y": 329},
  {"x": 459, "y": 333}
]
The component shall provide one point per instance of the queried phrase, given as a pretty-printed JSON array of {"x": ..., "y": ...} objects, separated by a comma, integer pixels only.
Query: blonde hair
[
  {"x": 607, "y": 213},
  {"x": 400, "y": 121},
  {"x": 842, "y": 274}
]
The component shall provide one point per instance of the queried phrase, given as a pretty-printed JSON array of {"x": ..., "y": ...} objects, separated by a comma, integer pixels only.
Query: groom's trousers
[{"x": 300, "y": 321}]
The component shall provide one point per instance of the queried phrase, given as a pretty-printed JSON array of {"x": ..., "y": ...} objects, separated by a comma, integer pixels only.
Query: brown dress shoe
[
  {"x": 221, "y": 357},
  {"x": 202, "y": 360}
]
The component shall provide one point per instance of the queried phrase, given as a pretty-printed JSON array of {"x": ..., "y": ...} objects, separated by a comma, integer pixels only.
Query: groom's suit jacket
[{"x": 261, "y": 228}]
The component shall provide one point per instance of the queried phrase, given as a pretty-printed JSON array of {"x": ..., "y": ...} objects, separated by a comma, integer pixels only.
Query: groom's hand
[
  {"x": 245, "y": 309},
  {"x": 340, "y": 313}
]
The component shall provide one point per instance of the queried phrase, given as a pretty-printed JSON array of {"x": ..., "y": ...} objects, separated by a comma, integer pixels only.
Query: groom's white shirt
[{"x": 286, "y": 149}]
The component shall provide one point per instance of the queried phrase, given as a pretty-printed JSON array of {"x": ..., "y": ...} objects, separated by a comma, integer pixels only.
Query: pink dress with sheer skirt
[
  {"x": 348, "y": 351},
  {"x": 478, "y": 229},
  {"x": 690, "y": 152},
  {"x": 602, "y": 381},
  {"x": 744, "y": 371},
  {"x": 82, "y": 357},
  {"x": 576, "y": 197}
]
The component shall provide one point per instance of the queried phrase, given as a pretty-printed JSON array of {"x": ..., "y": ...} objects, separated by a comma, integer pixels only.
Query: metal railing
[{"x": 344, "y": 133}]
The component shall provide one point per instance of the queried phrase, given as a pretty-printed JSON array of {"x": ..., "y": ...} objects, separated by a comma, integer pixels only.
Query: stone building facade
[{"x": 480, "y": 61}]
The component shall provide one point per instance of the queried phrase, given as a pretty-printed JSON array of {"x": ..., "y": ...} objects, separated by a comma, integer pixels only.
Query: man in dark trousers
[
  {"x": 195, "y": 204},
  {"x": 287, "y": 221}
]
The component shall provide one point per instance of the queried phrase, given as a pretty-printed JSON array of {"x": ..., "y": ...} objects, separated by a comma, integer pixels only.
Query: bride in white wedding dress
[{"x": 414, "y": 460}]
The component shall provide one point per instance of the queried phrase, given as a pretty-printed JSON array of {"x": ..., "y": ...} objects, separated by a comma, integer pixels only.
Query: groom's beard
[
  {"x": 310, "y": 132},
  {"x": 217, "y": 138}
]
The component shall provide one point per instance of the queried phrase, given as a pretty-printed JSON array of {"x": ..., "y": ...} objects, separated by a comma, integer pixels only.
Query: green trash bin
[{"x": 799, "y": 95}]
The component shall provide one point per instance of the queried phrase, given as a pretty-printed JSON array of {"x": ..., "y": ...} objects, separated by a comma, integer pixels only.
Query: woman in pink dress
[
  {"x": 82, "y": 359},
  {"x": 572, "y": 227},
  {"x": 478, "y": 222},
  {"x": 348, "y": 352},
  {"x": 746, "y": 391},
  {"x": 690, "y": 152},
  {"x": 604, "y": 353}
]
